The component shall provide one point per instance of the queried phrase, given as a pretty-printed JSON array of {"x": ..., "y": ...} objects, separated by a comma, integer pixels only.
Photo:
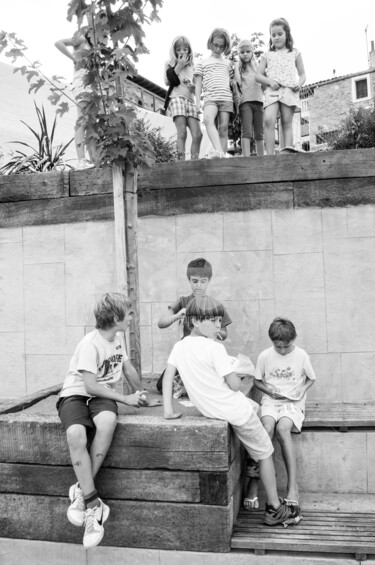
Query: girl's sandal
[
  {"x": 290, "y": 502},
  {"x": 251, "y": 503}
]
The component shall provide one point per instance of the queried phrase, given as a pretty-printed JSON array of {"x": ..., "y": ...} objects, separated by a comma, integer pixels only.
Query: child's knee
[
  {"x": 223, "y": 130},
  {"x": 105, "y": 422},
  {"x": 283, "y": 432},
  {"x": 76, "y": 436},
  {"x": 197, "y": 136}
]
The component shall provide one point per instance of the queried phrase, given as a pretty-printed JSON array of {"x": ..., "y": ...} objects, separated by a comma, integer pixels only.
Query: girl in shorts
[
  {"x": 214, "y": 75},
  {"x": 179, "y": 73}
]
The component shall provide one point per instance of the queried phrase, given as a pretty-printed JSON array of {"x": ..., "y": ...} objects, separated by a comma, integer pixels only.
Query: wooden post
[
  {"x": 125, "y": 212},
  {"x": 120, "y": 245},
  {"x": 131, "y": 231}
]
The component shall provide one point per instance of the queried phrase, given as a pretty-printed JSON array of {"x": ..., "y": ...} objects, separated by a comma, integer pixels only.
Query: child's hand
[
  {"x": 172, "y": 415},
  {"x": 181, "y": 313},
  {"x": 296, "y": 88},
  {"x": 182, "y": 61},
  {"x": 274, "y": 85},
  {"x": 137, "y": 399}
]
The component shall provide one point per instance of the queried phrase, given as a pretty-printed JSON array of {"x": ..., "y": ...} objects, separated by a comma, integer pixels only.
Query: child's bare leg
[
  {"x": 269, "y": 425},
  {"x": 245, "y": 146},
  {"x": 270, "y": 115},
  {"x": 268, "y": 478},
  {"x": 79, "y": 135},
  {"x": 287, "y": 113},
  {"x": 180, "y": 123},
  {"x": 209, "y": 116},
  {"x": 77, "y": 443},
  {"x": 284, "y": 435},
  {"x": 223, "y": 130},
  {"x": 105, "y": 423},
  {"x": 196, "y": 136},
  {"x": 260, "y": 147}
]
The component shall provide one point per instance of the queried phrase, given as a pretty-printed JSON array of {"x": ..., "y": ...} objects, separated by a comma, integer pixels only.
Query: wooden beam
[{"x": 119, "y": 215}]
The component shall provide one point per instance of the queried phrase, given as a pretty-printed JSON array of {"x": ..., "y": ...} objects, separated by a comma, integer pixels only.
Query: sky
[{"x": 330, "y": 34}]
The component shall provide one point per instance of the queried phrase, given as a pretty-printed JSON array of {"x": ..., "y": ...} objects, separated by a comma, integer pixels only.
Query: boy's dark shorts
[{"x": 82, "y": 409}]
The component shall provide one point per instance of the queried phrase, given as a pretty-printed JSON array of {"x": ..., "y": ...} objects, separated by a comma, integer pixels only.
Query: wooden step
[{"x": 318, "y": 532}]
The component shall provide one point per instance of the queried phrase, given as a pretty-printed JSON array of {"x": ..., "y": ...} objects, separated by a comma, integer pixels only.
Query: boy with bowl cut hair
[
  {"x": 213, "y": 387},
  {"x": 88, "y": 400},
  {"x": 284, "y": 374}
]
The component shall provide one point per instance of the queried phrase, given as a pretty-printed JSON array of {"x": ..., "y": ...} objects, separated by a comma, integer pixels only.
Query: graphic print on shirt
[
  {"x": 287, "y": 374},
  {"x": 110, "y": 368}
]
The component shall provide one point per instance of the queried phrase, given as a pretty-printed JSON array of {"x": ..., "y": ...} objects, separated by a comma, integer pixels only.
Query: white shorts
[
  {"x": 278, "y": 410},
  {"x": 253, "y": 436}
]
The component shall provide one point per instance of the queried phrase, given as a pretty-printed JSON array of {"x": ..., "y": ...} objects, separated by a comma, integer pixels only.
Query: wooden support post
[
  {"x": 131, "y": 231},
  {"x": 125, "y": 212},
  {"x": 119, "y": 212}
]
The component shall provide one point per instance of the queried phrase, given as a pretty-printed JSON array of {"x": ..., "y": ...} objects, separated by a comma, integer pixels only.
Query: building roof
[
  {"x": 313, "y": 85},
  {"x": 151, "y": 86}
]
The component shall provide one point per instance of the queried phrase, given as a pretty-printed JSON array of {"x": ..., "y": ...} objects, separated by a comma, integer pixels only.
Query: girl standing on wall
[
  {"x": 179, "y": 76},
  {"x": 251, "y": 99},
  {"x": 79, "y": 43},
  {"x": 214, "y": 75},
  {"x": 282, "y": 71}
]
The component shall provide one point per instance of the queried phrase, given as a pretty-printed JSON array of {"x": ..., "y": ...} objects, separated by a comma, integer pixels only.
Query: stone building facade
[{"x": 324, "y": 104}]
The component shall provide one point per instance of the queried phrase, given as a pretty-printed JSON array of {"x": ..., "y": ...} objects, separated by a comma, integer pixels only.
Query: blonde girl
[
  {"x": 282, "y": 71},
  {"x": 179, "y": 76},
  {"x": 251, "y": 99},
  {"x": 213, "y": 75}
]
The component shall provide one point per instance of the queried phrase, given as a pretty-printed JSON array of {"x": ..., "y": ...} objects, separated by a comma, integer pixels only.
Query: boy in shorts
[
  {"x": 284, "y": 374},
  {"x": 199, "y": 274},
  {"x": 88, "y": 400},
  {"x": 214, "y": 388}
]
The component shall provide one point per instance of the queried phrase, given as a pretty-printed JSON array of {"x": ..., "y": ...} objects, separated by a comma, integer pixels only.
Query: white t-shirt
[
  {"x": 97, "y": 355},
  {"x": 203, "y": 364},
  {"x": 284, "y": 374}
]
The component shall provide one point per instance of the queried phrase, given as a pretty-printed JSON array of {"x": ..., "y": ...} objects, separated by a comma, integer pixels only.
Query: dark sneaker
[
  {"x": 94, "y": 520},
  {"x": 284, "y": 515}
]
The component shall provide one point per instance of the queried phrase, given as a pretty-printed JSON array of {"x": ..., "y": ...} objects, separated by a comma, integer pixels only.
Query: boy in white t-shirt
[
  {"x": 214, "y": 388},
  {"x": 88, "y": 400},
  {"x": 284, "y": 374}
]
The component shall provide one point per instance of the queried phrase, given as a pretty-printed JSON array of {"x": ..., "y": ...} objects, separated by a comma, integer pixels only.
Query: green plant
[
  {"x": 45, "y": 157},
  {"x": 165, "y": 150},
  {"x": 356, "y": 131},
  {"x": 115, "y": 32}
]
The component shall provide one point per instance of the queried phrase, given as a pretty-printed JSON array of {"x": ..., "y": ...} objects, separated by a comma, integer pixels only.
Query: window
[
  {"x": 324, "y": 136},
  {"x": 304, "y": 108},
  {"x": 361, "y": 88}
]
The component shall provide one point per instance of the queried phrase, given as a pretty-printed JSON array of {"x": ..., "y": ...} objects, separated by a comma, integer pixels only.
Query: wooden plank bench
[
  {"x": 318, "y": 532},
  {"x": 341, "y": 416}
]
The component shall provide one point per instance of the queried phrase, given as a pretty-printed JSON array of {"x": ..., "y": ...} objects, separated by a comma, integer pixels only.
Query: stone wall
[{"x": 313, "y": 264}]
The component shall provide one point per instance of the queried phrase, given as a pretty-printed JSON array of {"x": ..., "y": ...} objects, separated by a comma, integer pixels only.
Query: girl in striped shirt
[{"x": 213, "y": 75}]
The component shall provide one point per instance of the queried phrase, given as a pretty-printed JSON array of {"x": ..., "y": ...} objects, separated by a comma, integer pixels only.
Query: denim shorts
[
  {"x": 82, "y": 410},
  {"x": 222, "y": 106}
]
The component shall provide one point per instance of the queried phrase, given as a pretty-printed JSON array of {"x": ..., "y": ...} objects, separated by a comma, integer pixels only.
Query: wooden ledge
[{"x": 342, "y": 416}]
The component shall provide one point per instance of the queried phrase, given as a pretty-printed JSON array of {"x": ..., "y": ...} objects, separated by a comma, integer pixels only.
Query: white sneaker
[
  {"x": 76, "y": 511},
  {"x": 94, "y": 530}
]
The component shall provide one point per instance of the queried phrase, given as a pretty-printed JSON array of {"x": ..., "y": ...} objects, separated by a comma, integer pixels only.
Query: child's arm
[
  {"x": 63, "y": 44},
  {"x": 131, "y": 375},
  {"x": 169, "y": 413},
  {"x": 264, "y": 388},
  {"x": 308, "y": 384},
  {"x": 301, "y": 73},
  {"x": 94, "y": 389},
  {"x": 167, "y": 320},
  {"x": 261, "y": 76},
  {"x": 198, "y": 91}
]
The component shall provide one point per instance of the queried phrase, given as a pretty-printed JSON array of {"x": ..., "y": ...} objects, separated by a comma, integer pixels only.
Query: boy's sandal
[
  {"x": 290, "y": 502},
  {"x": 251, "y": 503}
]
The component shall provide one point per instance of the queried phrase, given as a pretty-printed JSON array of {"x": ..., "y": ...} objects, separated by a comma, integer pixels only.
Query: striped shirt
[{"x": 216, "y": 75}]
